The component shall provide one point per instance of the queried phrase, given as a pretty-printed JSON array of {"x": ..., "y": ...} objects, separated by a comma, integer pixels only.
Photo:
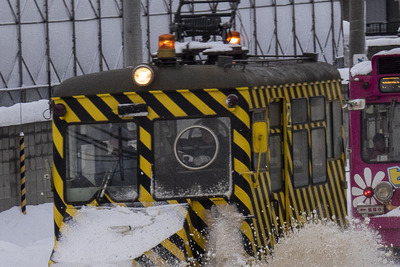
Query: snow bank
[
  {"x": 393, "y": 51},
  {"x": 382, "y": 41},
  {"x": 25, "y": 113},
  {"x": 26, "y": 240}
]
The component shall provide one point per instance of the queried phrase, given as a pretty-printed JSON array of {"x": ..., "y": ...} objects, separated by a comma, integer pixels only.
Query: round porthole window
[{"x": 196, "y": 147}]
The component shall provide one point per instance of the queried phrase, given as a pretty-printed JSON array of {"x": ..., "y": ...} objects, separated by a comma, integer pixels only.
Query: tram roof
[{"x": 192, "y": 77}]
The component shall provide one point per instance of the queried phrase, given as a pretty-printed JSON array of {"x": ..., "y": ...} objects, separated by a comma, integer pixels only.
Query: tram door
[
  {"x": 276, "y": 146},
  {"x": 288, "y": 156},
  {"x": 272, "y": 162},
  {"x": 276, "y": 118}
]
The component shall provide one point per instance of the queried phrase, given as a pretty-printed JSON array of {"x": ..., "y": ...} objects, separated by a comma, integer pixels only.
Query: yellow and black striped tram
[{"x": 181, "y": 139}]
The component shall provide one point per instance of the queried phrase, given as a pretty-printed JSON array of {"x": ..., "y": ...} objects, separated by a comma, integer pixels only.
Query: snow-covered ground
[{"x": 27, "y": 241}]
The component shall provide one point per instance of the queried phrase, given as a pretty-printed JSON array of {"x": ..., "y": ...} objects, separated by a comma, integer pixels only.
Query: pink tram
[{"x": 374, "y": 142}]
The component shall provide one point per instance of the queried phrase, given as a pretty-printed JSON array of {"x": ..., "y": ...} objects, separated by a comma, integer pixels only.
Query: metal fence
[
  {"x": 383, "y": 28},
  {"x": 47, "y": 41}
]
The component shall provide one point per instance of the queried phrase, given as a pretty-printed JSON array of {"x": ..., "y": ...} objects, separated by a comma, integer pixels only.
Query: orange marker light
[
  {"x": 233, "y": 37},
  {"x": 166, "y": 41},
  {"x": 166, "y": 46}
]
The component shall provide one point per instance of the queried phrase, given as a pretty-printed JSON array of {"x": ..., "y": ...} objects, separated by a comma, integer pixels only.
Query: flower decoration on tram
[{"x": 363, "y": 191}]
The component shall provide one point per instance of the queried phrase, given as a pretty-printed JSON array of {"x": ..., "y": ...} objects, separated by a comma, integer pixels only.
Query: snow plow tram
[{"x": 147, "y": 157}]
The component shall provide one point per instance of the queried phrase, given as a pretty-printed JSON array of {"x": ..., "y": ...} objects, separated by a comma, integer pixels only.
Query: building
[{"x": 382, "y": 16}]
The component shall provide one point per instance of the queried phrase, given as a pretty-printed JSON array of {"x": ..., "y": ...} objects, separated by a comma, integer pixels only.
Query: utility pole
[
  {"x": 357, "y": 28},
  {"x": 132, "y": 33}
]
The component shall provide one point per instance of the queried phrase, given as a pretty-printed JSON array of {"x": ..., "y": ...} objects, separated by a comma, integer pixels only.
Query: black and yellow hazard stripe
[
  {"x": 104, "y": 108},
  {"x": 22, "y": 169},
  {"x": 327, "y": 199},
  {"x": 263, "y": 223}
]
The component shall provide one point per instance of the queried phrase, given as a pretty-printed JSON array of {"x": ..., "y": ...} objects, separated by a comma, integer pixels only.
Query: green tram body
[{"x": 282, "y": 154}]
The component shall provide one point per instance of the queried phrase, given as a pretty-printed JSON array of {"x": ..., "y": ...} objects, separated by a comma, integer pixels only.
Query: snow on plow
[{"x": 122, "y": 236}]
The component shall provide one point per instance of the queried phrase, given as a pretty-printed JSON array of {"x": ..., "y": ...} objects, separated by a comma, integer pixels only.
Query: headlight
[
  {"x": 383, "y": 192},
  {"x": 143, "y": 75}
]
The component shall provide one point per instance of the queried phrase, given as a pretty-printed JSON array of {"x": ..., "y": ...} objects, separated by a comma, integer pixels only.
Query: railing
[{"x": 383, "y": 28}]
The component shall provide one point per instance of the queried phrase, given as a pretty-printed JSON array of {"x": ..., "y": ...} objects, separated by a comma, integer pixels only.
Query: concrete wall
[{"x": 38, "y": 148}]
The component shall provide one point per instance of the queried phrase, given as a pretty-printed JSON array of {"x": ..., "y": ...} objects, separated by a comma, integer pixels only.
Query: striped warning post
[{"x": 22, "y": 167}]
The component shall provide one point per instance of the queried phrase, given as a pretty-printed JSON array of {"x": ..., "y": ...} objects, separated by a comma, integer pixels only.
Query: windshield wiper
[{"x": 106, "y": 181}]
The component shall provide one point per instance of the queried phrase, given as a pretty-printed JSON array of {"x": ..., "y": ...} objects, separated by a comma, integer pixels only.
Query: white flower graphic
[{"x": 367, "y": 181}]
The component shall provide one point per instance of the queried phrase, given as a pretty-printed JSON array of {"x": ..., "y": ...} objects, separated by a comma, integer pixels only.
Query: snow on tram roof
[
  {"x": 365, "y": 67},
  {"x": 216, "y": 46},
  {"x": 362, "y": 68}
]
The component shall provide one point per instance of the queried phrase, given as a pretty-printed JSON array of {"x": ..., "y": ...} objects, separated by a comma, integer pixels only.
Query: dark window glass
[
  {"x": 317, "y": 108},
  {"x": 381, "y": 132},
  {"x": 388, "y": 65},
  {"x": 101, "y": 159},
  {"x": 275, "y": 145},
  {"x": 318, "y": 152},
  {"x": 300, "y": 159},
  {"x": 258, "y": 115},
  {"x": 275, "y": 111},
  {"x": 337, "y": 129},
  {"x": 192, "y": 158},
  {"x": 299, "y": 110},
  {"x": 329, "y": 144}
]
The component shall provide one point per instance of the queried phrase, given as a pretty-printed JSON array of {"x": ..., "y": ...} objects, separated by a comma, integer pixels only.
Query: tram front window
[
  {"x": 192, "y": 158},
  {"x": 101, "y": 161},
  {"x": 381, "y": 132}
]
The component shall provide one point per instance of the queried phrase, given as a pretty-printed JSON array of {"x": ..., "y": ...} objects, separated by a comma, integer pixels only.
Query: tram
[
  {"x": 203, "y": 126},
  {"x": 374, "y": 132}
]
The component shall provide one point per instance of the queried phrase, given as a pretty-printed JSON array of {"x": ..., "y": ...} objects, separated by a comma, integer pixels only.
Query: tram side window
[
  {"x": 275, "y": 146},
  {"x": 275, "y": 115},
  {"x": 101, "y": 156},
  {"x": 318, "y": 153},
  {"x": 299, "y": 110},
  {"x": 300, "y": 159},
  {"x": 334, "y": 129},
  {"x": 317, "y": 108},
  {"x": 381, "y": 132},
  {"x": 337, "y": 129},
  {"x": 259, "y": 115},
  {"x": 276, "y": 162}
]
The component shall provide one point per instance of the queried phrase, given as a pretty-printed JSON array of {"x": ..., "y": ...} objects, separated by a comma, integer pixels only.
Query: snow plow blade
[{"x": 124, "y": 236}]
